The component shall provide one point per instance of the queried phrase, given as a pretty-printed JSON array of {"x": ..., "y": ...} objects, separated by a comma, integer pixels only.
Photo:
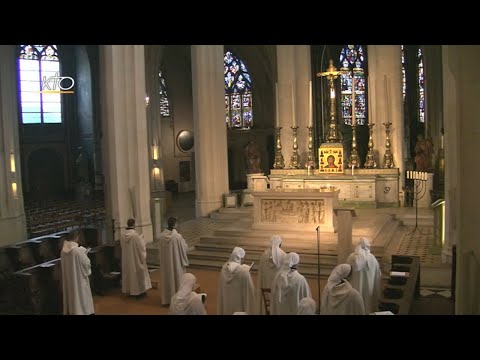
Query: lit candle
[
  {"x": 332, "y": 93},
  {"x": 277, "y": 113},
  {"x": 310, "y": 109},
  {"x": 293, "y": 107},
  {"x": 353, "y": 167},
  {"x": 353, "y": 100},
  {"x": 387, "y": 105},
  {"x": 308, "y": 170}
]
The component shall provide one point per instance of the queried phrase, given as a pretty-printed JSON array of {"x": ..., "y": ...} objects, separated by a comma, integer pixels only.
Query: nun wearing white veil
[
  {"x": 307, "y": 306},
  {"x": 236, "y": 292},
  {"x": 338, "y": 296},
  {"x": 270, "y": 264},
  {"x": 186, "y": 301},
  {"x": 288, "y": 288},
  {"x": 366, "y": 275}
]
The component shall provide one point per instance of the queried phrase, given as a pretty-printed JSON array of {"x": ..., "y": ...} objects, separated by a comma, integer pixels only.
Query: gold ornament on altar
[
  {"x": 333, "y": 136},
  {"x": 330, "y": 158}
]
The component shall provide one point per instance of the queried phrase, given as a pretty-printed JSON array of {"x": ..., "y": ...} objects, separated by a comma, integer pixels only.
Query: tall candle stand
[
  {"x": 370, "y": 162},
  {"x": 331, "y": 74},
  {"x": 354, "y": 160},
  {"x": 279, "y": 162},
  {"x": 418, "y": 190},
  {"x": 388, "y": 157},
  {"x": 295, "y": 158},
  {"x": 310, "y": 156}
]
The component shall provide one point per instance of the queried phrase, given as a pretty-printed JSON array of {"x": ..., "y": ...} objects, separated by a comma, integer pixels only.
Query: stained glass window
[
  {"x": 352, "y": 62},
  {"x": 238, "y": 93},
  {"x": 40, "y": 89},
  {"x": 421, "y": 87},
  {"x": 403, "y": 73},
  {"x": 164, "y": 103}
]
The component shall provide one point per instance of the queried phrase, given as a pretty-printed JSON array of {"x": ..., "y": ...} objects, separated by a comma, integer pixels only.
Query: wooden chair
[{"x": 266, "y": 299}]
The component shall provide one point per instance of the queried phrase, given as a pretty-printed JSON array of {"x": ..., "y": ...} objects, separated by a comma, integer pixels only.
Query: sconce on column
[
  {"x": 155, "y": 152},
  {"x": 14, "y": 190},
  {"x": 147, "y": 100},
  {"x": 12, "y": 162}
]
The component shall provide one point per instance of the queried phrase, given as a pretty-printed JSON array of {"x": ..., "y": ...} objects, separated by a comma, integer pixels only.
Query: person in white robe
[
  {"x": 76, "y": 269},
  {"x": 270, "y": 264},
  {"x": 307, "y": 306},
  {"x": 366, "y": 275},
  {"x": 173, "y": 261},
  {"x": 135, "y": 275},
  {"x": 288, "y": 288},
  {"x": 236, "y": 292},
  {"x": 338, "y": 296},
  {"x": 186, "y": 301}
]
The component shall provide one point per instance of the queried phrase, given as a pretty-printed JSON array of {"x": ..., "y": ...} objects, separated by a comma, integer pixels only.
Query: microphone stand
[{"x": 318, "y": 266}]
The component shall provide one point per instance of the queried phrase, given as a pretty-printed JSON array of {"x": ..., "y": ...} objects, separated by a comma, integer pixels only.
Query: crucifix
[{"x": 331, "y": 74}]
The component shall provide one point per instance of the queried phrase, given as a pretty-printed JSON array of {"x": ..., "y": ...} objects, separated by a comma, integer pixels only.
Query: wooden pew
[
  {"x": 37, "y": 290},
  {"x": 106, "y": 268},
  {"x": 400, "y": 291}
]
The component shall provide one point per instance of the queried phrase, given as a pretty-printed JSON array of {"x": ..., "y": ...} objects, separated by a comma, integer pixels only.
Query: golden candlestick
[
  {"x": 279, "y": 162},
  {"x": 331, "y": 74},
  {"x": 388, "y": 157},
  {"x": 354, "y": 159},
  {"x": 370, "y": 162},
  {"x": 295, "y": 158}
]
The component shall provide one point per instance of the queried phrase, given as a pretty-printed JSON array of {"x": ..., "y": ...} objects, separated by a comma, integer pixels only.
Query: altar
[
  {"x": 291, "y": 210},
  {"x": 360, "y": 188}
]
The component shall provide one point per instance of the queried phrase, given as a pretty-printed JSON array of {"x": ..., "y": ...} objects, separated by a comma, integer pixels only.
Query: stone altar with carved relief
[{"x": 295, "y": 210}]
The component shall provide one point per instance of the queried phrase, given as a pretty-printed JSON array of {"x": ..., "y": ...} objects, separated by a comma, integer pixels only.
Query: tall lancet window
[
  {"x": 352, "y": 62},
  {"x": 164, "y": 103},
  {"x": 403, "y": 73},
  {"x": 40, "y": 84},
  {"x": 238, "y": 93},
  {"x": 421, "y": 87}
]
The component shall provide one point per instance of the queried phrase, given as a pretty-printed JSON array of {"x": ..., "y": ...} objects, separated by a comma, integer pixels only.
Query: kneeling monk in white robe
[
  {"x": 236, "y": 292},
  {"x": 76, "y": 269},
  {"x": 366, "y": 275},
  {"x": 288, "y": 288},
  {"x": 307, "y": 306},
  {"x": 186, "y": 301},
  {"x": 135, "y": 275},
  {"x": 339, "y": 297}
]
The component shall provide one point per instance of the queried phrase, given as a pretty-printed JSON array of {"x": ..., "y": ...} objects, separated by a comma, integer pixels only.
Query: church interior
[{"x": 320, "y": 144}]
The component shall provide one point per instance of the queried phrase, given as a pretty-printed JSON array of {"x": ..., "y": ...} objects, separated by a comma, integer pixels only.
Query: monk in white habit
[
  {"x": 236, "y": 292},
  {"x": 338, "y": 296},
  {"x": 173, "y": 261},
  {"x": 366, "y": 275},
  {"x": 270, "y": 264},
  {"x": 307, "y": 306},
  {"x": 186, "y": 301},
  {"x": 135, "y": 275},
  {"x": 76, "y": 269},
  {"x": 288, "y": 288}
]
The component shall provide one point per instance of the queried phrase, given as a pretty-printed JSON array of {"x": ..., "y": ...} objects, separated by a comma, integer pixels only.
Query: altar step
[{"x": 232, "y": 213}]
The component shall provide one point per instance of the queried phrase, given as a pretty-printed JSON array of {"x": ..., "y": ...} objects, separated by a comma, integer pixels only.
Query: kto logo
[{"x": 57, "y": 84}]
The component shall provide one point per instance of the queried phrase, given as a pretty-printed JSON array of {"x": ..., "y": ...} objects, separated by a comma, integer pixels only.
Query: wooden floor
[{"x": 116, "y": 303}]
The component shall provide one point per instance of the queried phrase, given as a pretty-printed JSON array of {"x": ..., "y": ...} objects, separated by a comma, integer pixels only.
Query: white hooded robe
[
  {"x": 135, "y": 275},
  {"x": 186, "y": 301},
  {"x": 173, "y": 263},
  {"x": 76, "y": 269}
]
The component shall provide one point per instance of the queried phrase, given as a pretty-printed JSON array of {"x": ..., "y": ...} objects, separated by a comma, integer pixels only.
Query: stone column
[
  {"x": 303, "y": 76},
  {"x": 432, "y": 63},
  {"x": 285, "y": 79},
  {"x": 386, "y": 60},
  {"x": 211, "y": 157},
  {"x": 12, "y": 215},
  {"x": 126, "y": 154},
  {"x": 462, "y": 164},
  {"x": 344, "y": 223}
]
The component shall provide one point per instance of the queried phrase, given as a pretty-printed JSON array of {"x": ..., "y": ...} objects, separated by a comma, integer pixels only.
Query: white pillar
[
  {"x": 12, "y": 215},
  {"x": 285, "y": 79},
  {"x": 303, "y": 76},
  {"x": 462, "y": 164},
  {"x": 386, "y": 60},
  {"x": 125, "y": 135},
  {"x": 211, "y": 157},
  {"x": 344, "y": 243}
]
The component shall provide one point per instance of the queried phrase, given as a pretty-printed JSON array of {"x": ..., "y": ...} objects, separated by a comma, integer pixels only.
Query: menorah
[{"x": 418, "y": 190}]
